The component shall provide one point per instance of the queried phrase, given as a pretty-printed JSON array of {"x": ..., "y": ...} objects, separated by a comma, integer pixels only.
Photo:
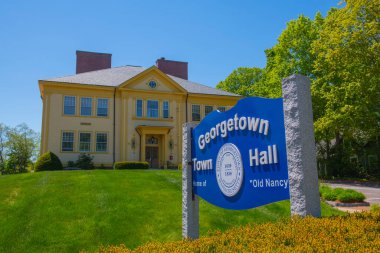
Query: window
[
  {"x": 67, "y": 141},
  {"x": 84, "y": 142},
  {"x": 69, "y": 105},
  {"x": 139, "y": 108},
  {"x": 165, "y": 109},
  {"x": 222, "y": 108},
  {"x": 208, "y": 109},
  {"x": 151, "y": 140},
  {"x": 152, "y": 84},
  {"x": 101, "y": 142},
  {"x": 196, "y": 112},
  {"x": 85, "y": 106},
  {"x": 152, "y": 109},
  {"x": 102, "y": 110}
]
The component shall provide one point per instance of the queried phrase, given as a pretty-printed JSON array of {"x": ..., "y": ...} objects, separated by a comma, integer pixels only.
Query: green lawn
[{"x": 67, "y": 211}]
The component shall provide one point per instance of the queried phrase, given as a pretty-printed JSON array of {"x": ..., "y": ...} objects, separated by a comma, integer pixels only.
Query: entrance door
[{"x": 151, "y": 156}]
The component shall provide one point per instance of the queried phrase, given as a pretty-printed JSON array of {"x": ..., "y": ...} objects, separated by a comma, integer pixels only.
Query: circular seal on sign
[{"x": 229, "y": 170}]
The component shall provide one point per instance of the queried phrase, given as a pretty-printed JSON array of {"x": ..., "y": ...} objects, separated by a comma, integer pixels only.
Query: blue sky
[{"x": 38, "y": 39}]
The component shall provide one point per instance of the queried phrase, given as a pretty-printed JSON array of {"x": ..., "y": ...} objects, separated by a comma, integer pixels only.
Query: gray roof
[
  {"x": 115, "y": 76},
  {"x": 105, "y": 77}
]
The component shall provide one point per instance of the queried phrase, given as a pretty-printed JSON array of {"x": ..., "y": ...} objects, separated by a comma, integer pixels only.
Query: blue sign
[{"x": 239, "y": 156}]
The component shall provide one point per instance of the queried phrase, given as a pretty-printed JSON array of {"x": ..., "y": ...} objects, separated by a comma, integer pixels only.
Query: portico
[{"x": 152, "y": 145}]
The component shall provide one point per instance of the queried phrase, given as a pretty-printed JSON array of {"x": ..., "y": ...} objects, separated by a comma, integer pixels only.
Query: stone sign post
[
  {"x": 190, "y": 204},
  {"x": 300, "y": 146}
]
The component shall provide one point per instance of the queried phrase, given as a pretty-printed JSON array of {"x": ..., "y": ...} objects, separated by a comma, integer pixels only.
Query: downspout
[{"x": 114, "y": 127}]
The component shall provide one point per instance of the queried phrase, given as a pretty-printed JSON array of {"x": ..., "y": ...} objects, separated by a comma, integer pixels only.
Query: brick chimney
[
  {"x": 174, "y": 68},
  {"x": 90, "y": 61}
]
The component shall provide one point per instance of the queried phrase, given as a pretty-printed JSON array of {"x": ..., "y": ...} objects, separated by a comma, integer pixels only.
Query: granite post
[
  {"x": 300, "y": 146},
  {"x": 190, "y": 203}
]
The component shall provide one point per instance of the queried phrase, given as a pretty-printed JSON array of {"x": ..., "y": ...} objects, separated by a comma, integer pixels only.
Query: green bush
[
  {"x": 340, "y": 194},
  {"x": 48, "y": 161},
  {"x": 327, "y": 193},
  {"x": 70, "y": 164},
  {"x": 350, "y": 196},
  {"x": 85, "y": 162},
  {"x": 330, "y": 196},
  {"x": 131, "y": 165},
  {"x": 375, "y": 208}
]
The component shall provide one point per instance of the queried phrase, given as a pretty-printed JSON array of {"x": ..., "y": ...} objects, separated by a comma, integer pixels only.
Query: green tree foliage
[
  {"x": 292, "y": 54},
  {"x": 341, "y": 56},
  {"x": 243, "y": 81},
  {"x": 3, "y": 141},
  {"x": 347, "y": 86},
  {"x": 18, "y": 147},
  {"x": 347, "y": 66},
  {"x": 48, "y": 161}
]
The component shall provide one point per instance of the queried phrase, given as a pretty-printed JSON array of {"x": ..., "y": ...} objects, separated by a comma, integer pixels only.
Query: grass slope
[{"x": 67, "y": 211}]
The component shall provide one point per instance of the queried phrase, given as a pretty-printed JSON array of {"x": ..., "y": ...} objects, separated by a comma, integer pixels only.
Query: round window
[{"x": 152, "y": 84}]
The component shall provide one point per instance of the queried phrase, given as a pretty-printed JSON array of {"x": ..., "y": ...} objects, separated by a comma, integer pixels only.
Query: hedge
[
  {"x": 131, "y": 165},
  {"x": 342, "y": 195},
  {"x": 358, "y": 232},
  {"x": 48, "y": 161}
]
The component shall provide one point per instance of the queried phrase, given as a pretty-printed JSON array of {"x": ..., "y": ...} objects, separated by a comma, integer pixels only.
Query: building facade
[{"x": 127, "y": 113}]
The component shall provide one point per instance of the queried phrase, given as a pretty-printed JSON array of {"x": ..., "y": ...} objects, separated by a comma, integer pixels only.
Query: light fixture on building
[
  {"x": 171, "y": 144},
  {"x": 133, "y": 143}
]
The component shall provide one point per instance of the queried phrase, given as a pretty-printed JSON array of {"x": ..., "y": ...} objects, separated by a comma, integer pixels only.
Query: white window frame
[
  {"x": 80, "y": 142},
  {"x": 101, "y": 102},
  {"x": 192, "y": 112},
  {"x": 74, "y": 99},
  {"x": 166, "y": 110},
  {"x": 208, "y": 106},
  {"x": 223, "y": 110},
  {"x": 104, "y": 143},
  {"x": 84, "y": 100},
  {"x": 65, "y": 140},
  {"x": 137, "y": 108},
  {"x": 149, "y": 111}
]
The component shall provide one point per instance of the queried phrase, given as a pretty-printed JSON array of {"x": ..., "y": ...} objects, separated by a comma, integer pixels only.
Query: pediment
[{"x": 152, "y": 79}]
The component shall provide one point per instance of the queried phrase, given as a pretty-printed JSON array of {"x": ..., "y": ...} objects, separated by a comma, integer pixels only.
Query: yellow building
[{"x": 127, "y": 113}]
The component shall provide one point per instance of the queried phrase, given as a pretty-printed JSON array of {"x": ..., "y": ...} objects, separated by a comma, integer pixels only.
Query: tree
[
  {"x": 341, "y": 56},
  {"x": 3, "y": 141},
  {"x": 243, "y": 81},
  {"x": 347, "y": 82},
  {"x": 292, "y": 54},
  {"x": 21, "y": 146}
]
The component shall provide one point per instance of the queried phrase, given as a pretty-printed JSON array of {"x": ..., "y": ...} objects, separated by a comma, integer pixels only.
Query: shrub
[
  {"x": 85, "y": 162},
  {"x": 343, "y": 195},
  {"x": 358, "y": 232},
  {"x": 48, "y": 161},
  {"x": 70, "y": 164},
  {"x": 327, "y": 193},
  {"x": 350, "y": 196},
  {"x": 375, "y": 208},
  {"x": 131, "y": 165},
  {"x": 330, "y": 196}
]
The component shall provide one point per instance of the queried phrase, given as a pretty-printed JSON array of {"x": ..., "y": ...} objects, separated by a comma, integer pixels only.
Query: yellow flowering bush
[{"x": 358, "y": 232}]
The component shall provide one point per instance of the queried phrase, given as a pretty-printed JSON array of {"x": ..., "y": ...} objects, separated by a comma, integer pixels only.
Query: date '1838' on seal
[{"x": 229, "y": 170}]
